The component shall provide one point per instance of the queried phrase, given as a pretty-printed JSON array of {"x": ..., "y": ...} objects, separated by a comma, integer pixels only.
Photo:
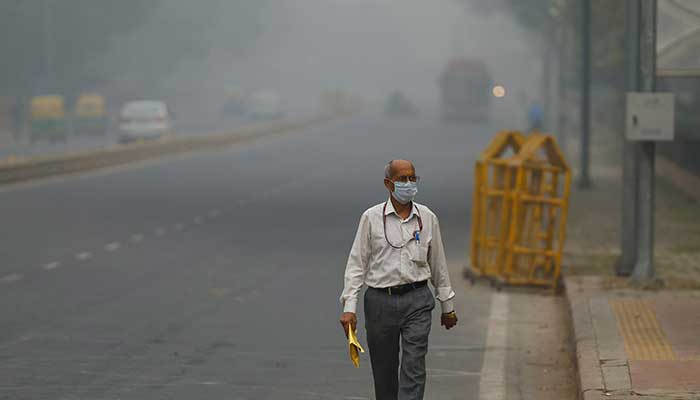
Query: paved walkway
[{"x": 635, "y": 343}]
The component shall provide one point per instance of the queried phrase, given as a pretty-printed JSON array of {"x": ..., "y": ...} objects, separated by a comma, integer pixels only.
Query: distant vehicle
[
  {"x": 48, "y": 119},
  {"x": 234, "y": 103},
  {"x": 144, "y": 119},
  {"x": 265, "y": 104},
  {"x": 465, "y": 88},
  {"x": 399, "y": 104},
  {"x": 90, "y": 115}
]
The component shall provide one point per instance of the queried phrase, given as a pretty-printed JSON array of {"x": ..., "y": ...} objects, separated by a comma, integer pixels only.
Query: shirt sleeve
[
  {"x": 440, "y": 277},
  {"x": 356, "y": 267}
]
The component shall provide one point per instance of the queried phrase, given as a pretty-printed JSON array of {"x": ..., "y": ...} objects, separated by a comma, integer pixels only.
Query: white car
[
  {"x": 265, "y": 104},
  {"x": 144, "y": 119}
]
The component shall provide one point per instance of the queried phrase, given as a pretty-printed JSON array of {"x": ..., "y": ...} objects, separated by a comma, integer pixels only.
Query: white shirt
[{"x": 374, "y": 262}]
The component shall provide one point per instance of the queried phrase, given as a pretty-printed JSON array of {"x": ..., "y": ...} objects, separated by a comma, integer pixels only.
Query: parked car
[
  {"x": 399, "y": 104},
  {"x": 144, "y": 119},
  {"x": 265, "y": 104}
]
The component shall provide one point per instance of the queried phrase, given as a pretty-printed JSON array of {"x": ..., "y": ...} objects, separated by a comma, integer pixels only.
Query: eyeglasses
[{"x": 406, "y": 178}]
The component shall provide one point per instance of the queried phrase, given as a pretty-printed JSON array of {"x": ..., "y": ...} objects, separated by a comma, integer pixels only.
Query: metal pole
[
  {"x": 584, "y": 180},
  {"x": 630, "y": 175},
  {"x": 546, "y": 85},
  {"x": 553, "y": 90},
  {"x": 644, "y": 269},
  {"x": 48, "y": 56},
  {"x": 562, "y": 129}
]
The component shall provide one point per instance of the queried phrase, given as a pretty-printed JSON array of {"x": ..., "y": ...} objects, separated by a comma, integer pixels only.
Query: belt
[{"x": 402, "y": 289}]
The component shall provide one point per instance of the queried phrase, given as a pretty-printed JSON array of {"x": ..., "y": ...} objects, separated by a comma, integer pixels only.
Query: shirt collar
[{"x": 390, "y": 209}]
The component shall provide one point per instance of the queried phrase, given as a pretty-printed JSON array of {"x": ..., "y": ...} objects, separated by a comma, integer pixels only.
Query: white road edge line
[
  {"x": 83, "y": 256},
  {"x": 492, "y": 385},
  {"x": 114, "y": 246},
  {"x": 11, "y": 278},
  {"x": 52, "y": 265}
]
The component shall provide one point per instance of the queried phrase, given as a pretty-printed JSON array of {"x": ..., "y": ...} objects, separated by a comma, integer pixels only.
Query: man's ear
[{"x": 389, "y": 184}]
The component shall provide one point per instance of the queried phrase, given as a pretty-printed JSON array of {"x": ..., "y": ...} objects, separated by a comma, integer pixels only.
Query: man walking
[{"x": 397, "y": 249}]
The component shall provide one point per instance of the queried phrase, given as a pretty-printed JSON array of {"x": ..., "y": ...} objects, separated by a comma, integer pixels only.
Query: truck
[{"x": 465, "y": 90}]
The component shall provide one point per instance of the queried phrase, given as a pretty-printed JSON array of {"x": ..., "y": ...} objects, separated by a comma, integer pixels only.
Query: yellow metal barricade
[
  {"x": 520, "y": 211},
  {"x": 493, "y": 181},
  {"x": 540, "y": 207}
]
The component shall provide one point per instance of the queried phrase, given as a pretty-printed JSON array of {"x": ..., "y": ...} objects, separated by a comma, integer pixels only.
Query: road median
[{"x": 21, "y": 170}]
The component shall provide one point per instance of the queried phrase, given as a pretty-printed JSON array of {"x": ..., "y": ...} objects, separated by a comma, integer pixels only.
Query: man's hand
[
  {"x": 348, "y": 319},
  {"x": 448, "y": 320}
]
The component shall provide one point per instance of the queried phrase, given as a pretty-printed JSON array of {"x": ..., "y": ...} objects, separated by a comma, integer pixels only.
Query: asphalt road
[{"x": 217, "y": 274}]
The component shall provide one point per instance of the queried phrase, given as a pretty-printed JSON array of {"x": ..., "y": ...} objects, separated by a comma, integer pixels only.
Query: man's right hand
[{"x": 348, "y": 319}]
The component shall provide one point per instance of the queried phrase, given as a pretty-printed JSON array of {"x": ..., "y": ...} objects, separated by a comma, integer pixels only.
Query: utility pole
[
  {"x": 644, "y": 268},
  {"x": 48, "y": 50},
  {"x": 555, "y": 80},
  {"x": 630, "y": 163},
  {"x": 564, "y": 65},
  {"x": 546, "y": 85},
  {"x": 584, "y": 180}
]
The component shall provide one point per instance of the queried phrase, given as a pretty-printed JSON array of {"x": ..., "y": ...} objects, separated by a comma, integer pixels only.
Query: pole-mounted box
[{"x": 650, "y": 116}]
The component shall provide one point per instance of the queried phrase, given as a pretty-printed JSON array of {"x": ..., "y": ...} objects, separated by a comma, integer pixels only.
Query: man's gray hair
[{"x": 388, "y": 170}]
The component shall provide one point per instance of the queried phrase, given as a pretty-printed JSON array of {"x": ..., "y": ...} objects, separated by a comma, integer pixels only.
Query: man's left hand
[{"x": 448, "y": 320}]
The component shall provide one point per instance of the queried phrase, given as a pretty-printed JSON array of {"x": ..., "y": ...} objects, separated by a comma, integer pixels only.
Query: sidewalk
[{"x": 634, "y": 341}]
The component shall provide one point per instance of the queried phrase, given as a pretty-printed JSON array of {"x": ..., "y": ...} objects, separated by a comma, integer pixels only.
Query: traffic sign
[{"x": 650, "y": 116}]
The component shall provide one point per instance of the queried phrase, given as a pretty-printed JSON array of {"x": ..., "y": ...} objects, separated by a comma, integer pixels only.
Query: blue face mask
[{"x": 405, "y": 192}]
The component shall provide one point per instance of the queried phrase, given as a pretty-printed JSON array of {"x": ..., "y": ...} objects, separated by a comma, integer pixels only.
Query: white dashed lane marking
[
  {"x": 114, "y": 246},
  {"x": 11, "y": 278},
  {"x": 83, "y": 256},
  {"x": 52, "y": 265},
  {"x": 136, "y": 238}
]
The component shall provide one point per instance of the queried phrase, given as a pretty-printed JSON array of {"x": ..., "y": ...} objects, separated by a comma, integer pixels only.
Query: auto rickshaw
[
  {"x": 48, "y": 119},
  {"x": 90, "y": 115},
  {"x": 233, "y": 102}
]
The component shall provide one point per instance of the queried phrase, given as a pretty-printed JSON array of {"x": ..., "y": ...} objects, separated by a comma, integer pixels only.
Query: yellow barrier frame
[
  {"x": 493, "y": 179},
  {"x": 538, "y": 231}
]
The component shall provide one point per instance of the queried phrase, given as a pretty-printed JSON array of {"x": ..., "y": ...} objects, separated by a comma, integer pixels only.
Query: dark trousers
[{"x": 393, "y": 320}]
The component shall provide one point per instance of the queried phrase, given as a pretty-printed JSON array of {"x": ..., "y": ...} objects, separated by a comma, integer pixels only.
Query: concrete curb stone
[{"x": 590, "y": 377}]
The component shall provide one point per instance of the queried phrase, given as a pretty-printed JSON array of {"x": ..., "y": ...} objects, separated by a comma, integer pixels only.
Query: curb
[
  {"x": 590, "y": 376},
  {"x": 44, "y": 167}
]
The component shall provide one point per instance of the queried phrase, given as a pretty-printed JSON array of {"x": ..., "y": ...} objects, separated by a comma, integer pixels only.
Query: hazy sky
[{"x": 370, "y": 47}]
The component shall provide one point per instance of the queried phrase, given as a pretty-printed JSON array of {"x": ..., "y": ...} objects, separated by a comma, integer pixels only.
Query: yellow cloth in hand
[{"x": 355, "y": 347}]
